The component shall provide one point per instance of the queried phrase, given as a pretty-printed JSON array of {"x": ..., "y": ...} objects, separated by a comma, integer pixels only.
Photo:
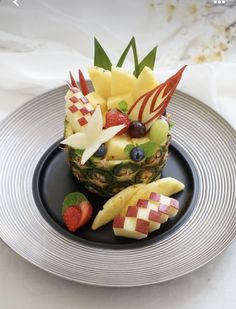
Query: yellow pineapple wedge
[
  {"x": 145, "y": 82},
  {"x": 96, "y": 99},
  {"x": 101, "y": 80},
  {"x": 140, "y": 140},
  {"x": 113, "y": 102},
  {"x": 119, "y": 203},
  {"x": 115, "y": 147},
  {"x": 121, "y": 81},
  {"x": 114, "y": 206}
]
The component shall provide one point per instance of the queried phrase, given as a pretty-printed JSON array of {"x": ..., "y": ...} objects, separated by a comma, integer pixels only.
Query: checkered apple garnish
[{"x": 155, "y": 210}]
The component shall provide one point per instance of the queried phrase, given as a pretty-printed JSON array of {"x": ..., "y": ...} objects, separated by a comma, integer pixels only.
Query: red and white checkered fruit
[
  {"x": 153, "y": 205},
  {"x": 149, "y": 215},
  {"x": 130, "y": 227},
  {"x": 78, "y": 110},
  {"x": 170, "y": 205}
]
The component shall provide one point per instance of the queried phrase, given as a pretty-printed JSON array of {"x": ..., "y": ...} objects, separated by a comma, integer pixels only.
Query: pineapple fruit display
[{"x": 118, "y": 134}]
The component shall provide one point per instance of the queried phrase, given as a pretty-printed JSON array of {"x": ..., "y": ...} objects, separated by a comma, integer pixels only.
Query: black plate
[{"x": 53, "y": 181}]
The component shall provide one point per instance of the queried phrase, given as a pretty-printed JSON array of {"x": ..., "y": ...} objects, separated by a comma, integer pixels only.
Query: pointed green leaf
[
  {"x": 136, "y": 65},
  {"x": 100, "y": 57},
  {"x": 132, "y": 44},
  {"x": 124, "y": 54},
  {"x": 148, "y": 60}
]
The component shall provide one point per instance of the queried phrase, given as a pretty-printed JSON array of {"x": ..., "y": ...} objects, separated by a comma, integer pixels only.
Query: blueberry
[
  {"x": 164, "y": 114},
  {"x": 101, "y": 152},
  {"x": 137, "y": 154}
]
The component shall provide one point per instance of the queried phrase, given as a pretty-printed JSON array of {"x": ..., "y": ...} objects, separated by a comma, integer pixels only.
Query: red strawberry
[
  {"x": 115, "y": 118},
  {"x": 72, "y": 217},
  {"x": 86, "y": 212}
]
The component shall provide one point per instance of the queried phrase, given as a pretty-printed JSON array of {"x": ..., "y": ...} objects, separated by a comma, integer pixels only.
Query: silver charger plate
[{"x": 204, "y": 135}]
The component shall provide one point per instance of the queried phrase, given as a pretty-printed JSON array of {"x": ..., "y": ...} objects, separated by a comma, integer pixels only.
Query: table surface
[{"x": 25, "y": 50}]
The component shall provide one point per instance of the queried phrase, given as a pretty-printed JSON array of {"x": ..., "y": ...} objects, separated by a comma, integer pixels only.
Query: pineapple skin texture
[{"x": 108, "y": 177}]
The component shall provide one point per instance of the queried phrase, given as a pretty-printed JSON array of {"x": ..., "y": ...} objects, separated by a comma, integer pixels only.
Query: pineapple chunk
[
  {"x": 145, "y": 82},
  {"x": 113, "y": 102},
  {"x": 96, "y": 99},
  {"x": 140, "y": 141},
  {"x": 116, "y": 146},
  {"x": 121, "y": 81},
  {"x": 101, "y": 80}
]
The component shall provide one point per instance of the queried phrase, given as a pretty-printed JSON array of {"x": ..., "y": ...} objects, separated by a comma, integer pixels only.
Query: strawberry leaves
[{"x": 74, "y": 198}]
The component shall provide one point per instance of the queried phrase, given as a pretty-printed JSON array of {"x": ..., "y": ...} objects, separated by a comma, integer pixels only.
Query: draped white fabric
[{"x": 41, "y": 41}]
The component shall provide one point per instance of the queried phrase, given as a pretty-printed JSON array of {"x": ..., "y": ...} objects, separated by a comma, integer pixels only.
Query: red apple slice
[
  {"x": 152, "y": 104},
  {"x": 130, "y": 227},
  {"x": 73, "y": 82}
]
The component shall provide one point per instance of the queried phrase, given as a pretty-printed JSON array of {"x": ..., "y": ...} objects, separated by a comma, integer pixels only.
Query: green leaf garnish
[
  {"x": 79, "y": 152},
  {"x": 171, "y": 124},
  {"x": 148, "y": 60},
  {"x": 149, "y": 148},
  {"x": 135, "y": 53},
  {"x": 128, "y": 149},
  {"x": 123, "y": 106},
  {"x": 100, "y": 57},
  {"x": 74, "y": 198},
  {"x": 124, "y": 54},
  {"x": 102, "y": 60},
  {"x": 132, "y": 44}
]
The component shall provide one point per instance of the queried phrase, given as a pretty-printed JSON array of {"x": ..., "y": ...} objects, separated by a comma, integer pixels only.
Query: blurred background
[{"x": 40, "y": 41}]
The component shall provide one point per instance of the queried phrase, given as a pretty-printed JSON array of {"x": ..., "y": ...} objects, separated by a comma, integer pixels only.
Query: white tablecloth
[{"x": 41, "y": 41}]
